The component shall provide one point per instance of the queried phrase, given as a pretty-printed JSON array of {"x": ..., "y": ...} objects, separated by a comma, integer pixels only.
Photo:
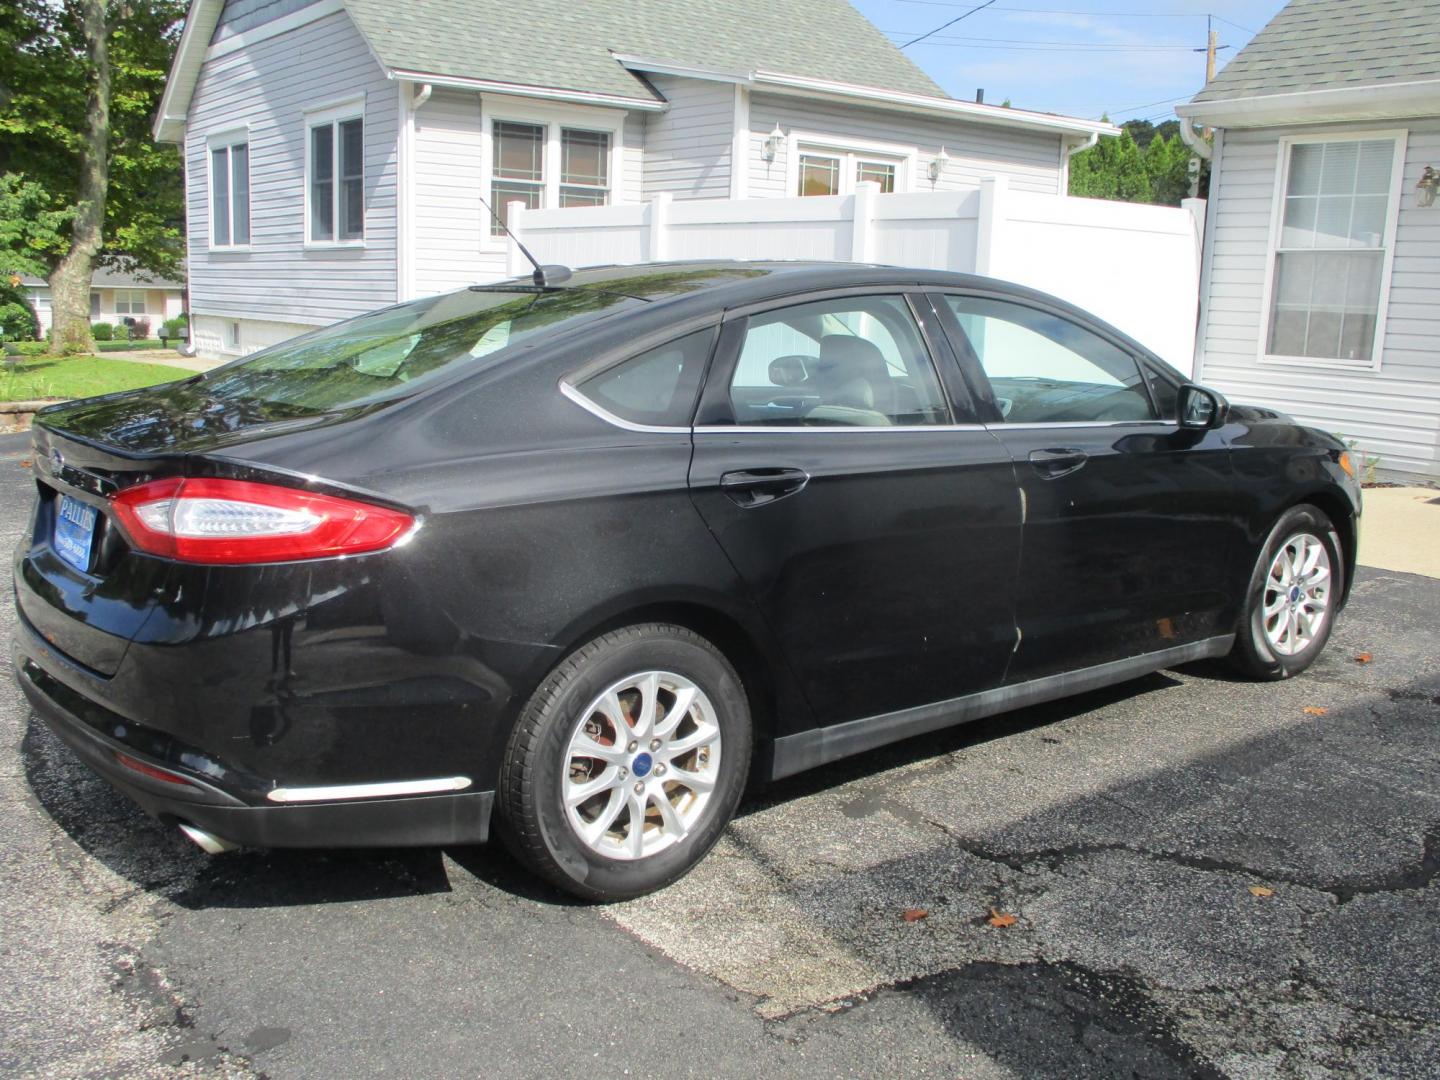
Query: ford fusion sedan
[{"x": 570, "y": 559}]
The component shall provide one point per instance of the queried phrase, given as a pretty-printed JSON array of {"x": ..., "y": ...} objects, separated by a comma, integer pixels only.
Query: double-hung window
[
  {"x": 1330, "y": 249},
  {"x": 229, "y": 191},
  {"x": 548, "y": 164},
  {"x": 129, "y": 301},
  {"x": 335, "y": 176},
  {"x": 822, "y": 169}
]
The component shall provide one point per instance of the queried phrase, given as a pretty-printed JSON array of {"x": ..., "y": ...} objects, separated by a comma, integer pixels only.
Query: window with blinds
[{"x": 1330, "y": 250}]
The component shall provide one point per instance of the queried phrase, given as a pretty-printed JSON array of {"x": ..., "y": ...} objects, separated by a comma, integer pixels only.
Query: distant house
[
  {"x": 337, "y": 151},
  {"x": 116, "y": 298},
  {"x": 1321, "y": 284}
]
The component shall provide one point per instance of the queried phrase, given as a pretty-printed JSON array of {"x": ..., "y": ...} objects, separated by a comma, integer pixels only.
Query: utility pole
[{"x": 1209, "y": 56}]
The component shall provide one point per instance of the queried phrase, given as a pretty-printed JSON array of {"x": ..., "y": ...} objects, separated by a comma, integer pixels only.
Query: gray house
[
  {"x": 1321, "y": 285},
  {"x": 337, "y": 151}
]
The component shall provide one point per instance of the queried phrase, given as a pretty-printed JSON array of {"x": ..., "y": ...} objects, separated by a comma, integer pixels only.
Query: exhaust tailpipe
[{"x": 207, "y": 841}]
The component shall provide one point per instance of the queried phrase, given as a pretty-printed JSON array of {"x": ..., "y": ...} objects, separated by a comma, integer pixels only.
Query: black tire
[
  {"x": 532, "y": 815},
  {"x": 1253, "y": 654}
]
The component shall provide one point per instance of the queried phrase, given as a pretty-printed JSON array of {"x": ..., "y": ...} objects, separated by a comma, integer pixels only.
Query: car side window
[
  {"x": 1043, "y": 368},
  {"x": 656, "y": 387},
  {"x": 854, "y": 361}
]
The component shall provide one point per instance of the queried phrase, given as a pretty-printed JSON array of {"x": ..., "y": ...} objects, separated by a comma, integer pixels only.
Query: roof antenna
[{"x": 545, "y": 277}]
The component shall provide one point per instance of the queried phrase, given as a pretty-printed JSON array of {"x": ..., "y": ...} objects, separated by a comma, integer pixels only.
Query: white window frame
[
  {"x": 850, "y": 152},
  {"x": 224, "y": 140},
  {"x": 552, "y": 117},
  {"x": 333, "y": 113},
  {"x": 1277, "y": 223},
  {"x": 129, "y": 301}
]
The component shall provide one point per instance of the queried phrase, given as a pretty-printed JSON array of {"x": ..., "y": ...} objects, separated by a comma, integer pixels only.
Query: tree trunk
[{"x": 70, "y": 280}]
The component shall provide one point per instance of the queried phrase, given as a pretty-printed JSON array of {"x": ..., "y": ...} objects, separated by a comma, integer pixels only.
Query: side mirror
[{"x": 1200, "y": 408}]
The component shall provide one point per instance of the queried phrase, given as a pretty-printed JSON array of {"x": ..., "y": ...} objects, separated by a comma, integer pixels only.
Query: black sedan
[{"x": 583, "y": 557}]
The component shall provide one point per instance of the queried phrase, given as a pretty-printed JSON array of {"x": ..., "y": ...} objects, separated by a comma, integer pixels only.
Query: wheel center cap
[
  {"x": 1295, "y": 592},
  {"x": 642, "y": 764}
]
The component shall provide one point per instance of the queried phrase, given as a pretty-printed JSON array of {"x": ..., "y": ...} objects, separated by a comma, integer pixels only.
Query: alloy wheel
[
  {"x": 1297, "y": 594},
  {"x": 641, "y": 764}
]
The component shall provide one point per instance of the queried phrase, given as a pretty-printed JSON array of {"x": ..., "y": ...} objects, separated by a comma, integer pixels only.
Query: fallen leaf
[
  {"x": 26, "y": 463},
  {"x": 915, "y": 914},
  {"x": 1261, "y": 890},
  {"x": 1315, "y": 710},
  {"x": 1363, "y": 658},
  {"x": 1002, "y": 919}
]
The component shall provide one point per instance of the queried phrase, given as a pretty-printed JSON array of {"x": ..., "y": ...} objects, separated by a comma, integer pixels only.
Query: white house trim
[
  {"x": 1374, "y": 101},
  {"x": 779, "y": 83},
  {"x": 740, "y": 145},
  {"x": 1277, "y": 215},
  {"x": 200, "y": 22},
  {"x": 553, "y": 116},
  {"x": 274, "y": 28},
  {"x": 548, "y": 93}
]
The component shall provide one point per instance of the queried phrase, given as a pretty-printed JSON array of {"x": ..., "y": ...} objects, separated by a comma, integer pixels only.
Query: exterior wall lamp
[
  {"x": 1425, "y": 189},
  {"x": 937, "y": 165},
  {"x": 771, "y": 146}
]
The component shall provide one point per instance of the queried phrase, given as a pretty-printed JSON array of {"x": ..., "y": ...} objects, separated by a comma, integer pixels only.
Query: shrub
[
  {"x": 175, "y": 328},
  {"x": 32, "y": 348},
  {"x": 17, "y": 321},
  {"x": 102, "y": 331},
  {"x": 139, "y": 329}
]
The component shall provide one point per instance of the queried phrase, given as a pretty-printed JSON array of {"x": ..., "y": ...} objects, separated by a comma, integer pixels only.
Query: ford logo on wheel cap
[{"x": 642, "y": 764}]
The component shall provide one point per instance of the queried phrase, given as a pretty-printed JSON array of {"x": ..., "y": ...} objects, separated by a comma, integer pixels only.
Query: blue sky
[{"x": 1127, "y": 58}]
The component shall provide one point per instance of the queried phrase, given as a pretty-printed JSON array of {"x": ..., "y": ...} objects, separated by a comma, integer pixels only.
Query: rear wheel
[
  {"x": 1294, "y": 592},
  {"x": 627, "y": 763}
]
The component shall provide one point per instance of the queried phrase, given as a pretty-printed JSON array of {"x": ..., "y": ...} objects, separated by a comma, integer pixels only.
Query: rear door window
[
  {"x": 1045, "y": 369},
  {"x": 855, "y": 361}
]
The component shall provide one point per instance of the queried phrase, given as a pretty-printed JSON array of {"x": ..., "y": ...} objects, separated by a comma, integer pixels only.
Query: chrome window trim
[
  {"x": 610, "y": 418},
  {"x": 1001, "y": 425},
  {"x": 827, "y": 429}
]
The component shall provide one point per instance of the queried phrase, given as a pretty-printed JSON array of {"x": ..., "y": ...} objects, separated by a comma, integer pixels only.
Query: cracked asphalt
[{"x": 1207, "y": 880}]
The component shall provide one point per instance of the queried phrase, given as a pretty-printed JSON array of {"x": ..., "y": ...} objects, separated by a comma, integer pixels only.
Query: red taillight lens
[
  {"x": 151, "y": 771},
  {"x": 236, "y": 521}
]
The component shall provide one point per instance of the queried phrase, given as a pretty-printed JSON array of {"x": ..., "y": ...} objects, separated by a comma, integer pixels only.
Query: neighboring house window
[
  {"x": 94, "y": 304},
  {"x": 129, "y": 301},
  {"x": 229, "y": 191},
  {"x": 335, "y": 170},
  {"x": 1330, "y": 248},
  {"x": 830, "y": 169},
  {"x": 519, "y": 171},
  {"x": 547, "y": 158}
]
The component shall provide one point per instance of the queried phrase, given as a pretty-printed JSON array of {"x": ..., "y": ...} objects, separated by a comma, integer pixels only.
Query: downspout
[
  {"x": 1194, "y": 140},
  {"x": 421, "y": 96},
  {"x": 1071, "y": 151}
]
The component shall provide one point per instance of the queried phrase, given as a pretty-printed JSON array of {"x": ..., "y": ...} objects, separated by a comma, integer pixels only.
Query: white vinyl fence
[{"x": 1137, "y": 267}]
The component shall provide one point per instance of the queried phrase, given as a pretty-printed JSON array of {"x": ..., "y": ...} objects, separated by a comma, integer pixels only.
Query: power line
[
  {"x": 1021, "y": 45},
  {"x": 952, "y": 22},
  {"x": 1072, "y": 11}
]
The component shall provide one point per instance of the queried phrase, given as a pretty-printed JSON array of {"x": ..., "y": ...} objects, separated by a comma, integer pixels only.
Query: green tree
[
  {"x": 1167, "y": 164},
  {"x": 1111, "y": 169},
  {"x": 81, "y": 82}
]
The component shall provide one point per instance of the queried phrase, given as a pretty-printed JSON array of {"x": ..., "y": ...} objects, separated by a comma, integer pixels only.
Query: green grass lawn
[{"x": 80, "y": 376}]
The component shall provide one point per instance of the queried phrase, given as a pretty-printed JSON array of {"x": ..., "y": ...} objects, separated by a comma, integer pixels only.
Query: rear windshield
[{"x": 395, "y": 351}]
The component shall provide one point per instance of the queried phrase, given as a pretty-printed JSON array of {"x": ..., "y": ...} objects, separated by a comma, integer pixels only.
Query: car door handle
[
  {"x": 756, "y": 487},
  {"x": 1052, "y": 463}
]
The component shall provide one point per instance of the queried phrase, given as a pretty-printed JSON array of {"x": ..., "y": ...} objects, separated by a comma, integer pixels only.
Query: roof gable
[{"x": 1334, "y": 44}]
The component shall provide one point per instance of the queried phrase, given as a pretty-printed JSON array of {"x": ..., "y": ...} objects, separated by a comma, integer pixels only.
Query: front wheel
[
  {"x": 1294, "y": 593},
  {"x": 627, "y": 763}
]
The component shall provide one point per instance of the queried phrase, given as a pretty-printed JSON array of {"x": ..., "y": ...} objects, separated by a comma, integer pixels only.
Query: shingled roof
[
  {"x": 562, "y": 44},
  {"x": 1333, "y": 45}
]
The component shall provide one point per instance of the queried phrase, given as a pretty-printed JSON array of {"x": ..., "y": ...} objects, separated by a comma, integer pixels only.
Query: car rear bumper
[{"x": 100, "y": 738}]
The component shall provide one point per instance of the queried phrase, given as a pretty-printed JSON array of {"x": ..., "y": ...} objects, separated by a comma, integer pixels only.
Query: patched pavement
[{"x": 1127, "y": 832}]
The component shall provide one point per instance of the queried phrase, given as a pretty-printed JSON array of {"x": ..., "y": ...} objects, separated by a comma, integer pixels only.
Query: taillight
[{"x": 236, "y": 521}]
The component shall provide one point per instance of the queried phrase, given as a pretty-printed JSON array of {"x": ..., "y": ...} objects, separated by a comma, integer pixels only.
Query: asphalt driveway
[{"x": 1207, "y": 878}]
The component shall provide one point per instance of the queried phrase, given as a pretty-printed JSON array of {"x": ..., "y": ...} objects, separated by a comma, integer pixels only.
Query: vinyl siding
[
  {"x": 241, "y": 15},
  {"x": 1030, "y": 161},
  {"x": 688, "y": 147},
  {"x": 451, "y": 245},
  {"x": 1393, "y": 412},
  {"x": 268, "y": 86}
]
